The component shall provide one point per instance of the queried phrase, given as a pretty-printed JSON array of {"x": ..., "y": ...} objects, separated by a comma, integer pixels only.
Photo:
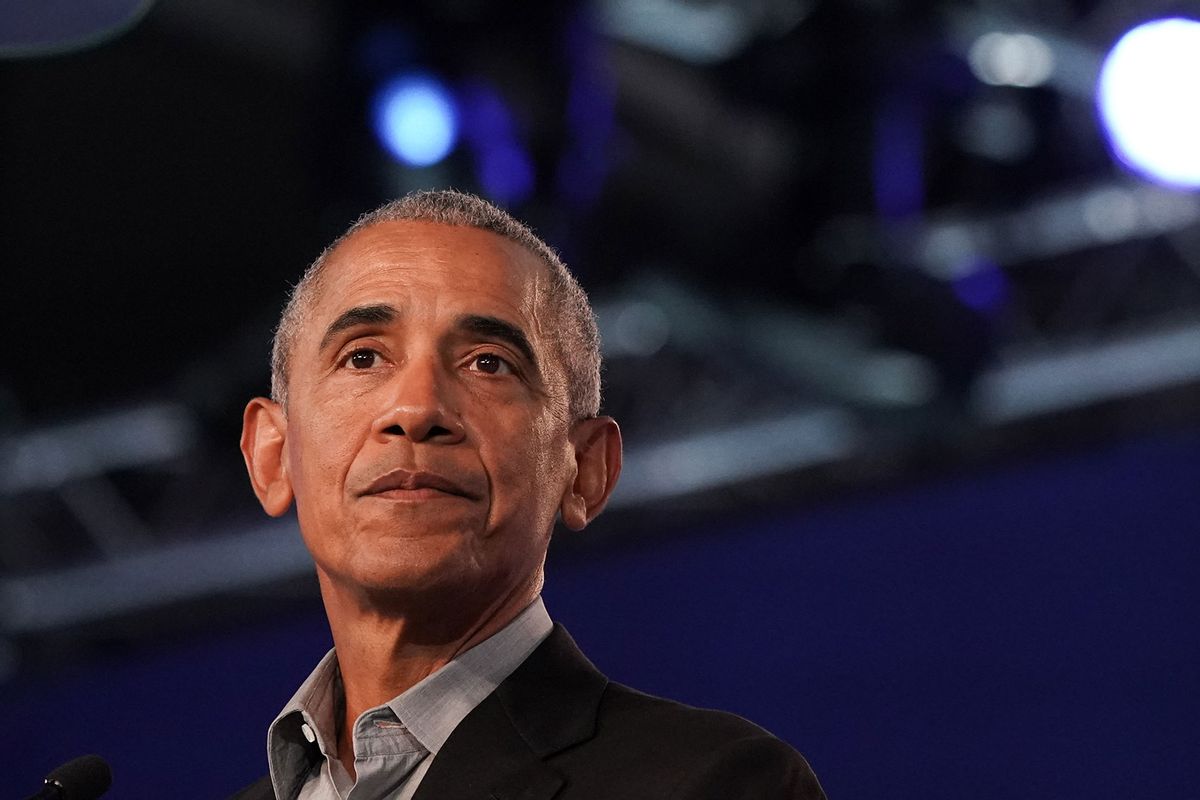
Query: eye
[
  {"x": 491, "y": 364},
  {"x": 362, "y": 358}
]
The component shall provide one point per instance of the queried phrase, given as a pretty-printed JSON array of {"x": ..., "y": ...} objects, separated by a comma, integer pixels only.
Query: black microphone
[{"x": 83, "y": 778}]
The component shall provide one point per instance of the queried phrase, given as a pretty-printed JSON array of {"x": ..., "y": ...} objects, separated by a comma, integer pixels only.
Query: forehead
[{"x": 427, "y": 267}]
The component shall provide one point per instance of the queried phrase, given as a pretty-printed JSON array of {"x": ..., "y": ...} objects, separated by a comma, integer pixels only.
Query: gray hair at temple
[{"x": 572, "y": 323}]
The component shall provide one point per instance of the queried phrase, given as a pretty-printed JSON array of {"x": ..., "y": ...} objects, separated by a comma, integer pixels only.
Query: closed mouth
[{"x": 401, "y": 483}]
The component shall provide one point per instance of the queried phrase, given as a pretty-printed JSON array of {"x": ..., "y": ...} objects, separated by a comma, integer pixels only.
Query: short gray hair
[{"x": 574, "y": 335}]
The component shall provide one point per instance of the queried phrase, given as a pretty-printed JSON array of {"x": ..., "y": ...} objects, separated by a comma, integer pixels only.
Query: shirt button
[{"x": 308, "y": 733}]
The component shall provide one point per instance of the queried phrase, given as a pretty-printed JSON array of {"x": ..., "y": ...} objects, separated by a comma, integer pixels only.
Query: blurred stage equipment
[{"x": 58, "y": 27}]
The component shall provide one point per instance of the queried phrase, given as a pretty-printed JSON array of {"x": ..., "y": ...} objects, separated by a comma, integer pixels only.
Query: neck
[{"x": 386, "y": 647}]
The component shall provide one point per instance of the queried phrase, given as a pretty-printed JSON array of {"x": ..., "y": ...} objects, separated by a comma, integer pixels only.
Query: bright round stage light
[
  {"x": 416, "y": 119},
  {"x": 1148, "y": 96}
]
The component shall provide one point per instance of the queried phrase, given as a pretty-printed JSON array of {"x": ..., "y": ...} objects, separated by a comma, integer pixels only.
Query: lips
[{"x": 405, "y": 480}]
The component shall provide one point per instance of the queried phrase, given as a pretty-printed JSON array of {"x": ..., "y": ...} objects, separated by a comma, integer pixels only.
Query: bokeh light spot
[
  {"x": 1011, "y": 59},
  {"x": 1147, "y": 100},
  {"x": 416, "y": 119}
]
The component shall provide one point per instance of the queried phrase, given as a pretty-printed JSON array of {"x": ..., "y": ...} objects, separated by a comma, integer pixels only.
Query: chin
[{"x": 412, "y": 565}]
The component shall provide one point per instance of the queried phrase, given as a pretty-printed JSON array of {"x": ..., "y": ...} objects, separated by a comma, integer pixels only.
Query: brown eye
[
  {"x": 491, "y": 364},
  {"x": 362, "y": 359}
]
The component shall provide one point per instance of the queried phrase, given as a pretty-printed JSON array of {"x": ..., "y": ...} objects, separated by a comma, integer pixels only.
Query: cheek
[
  {"x": 319, "y": 457},
  {"x": 545, "y": 459},
  {"x": 523, "y": 463}
]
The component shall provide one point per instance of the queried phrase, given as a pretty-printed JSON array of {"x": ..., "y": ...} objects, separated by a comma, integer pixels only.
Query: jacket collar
[{"x": 498, "y": 751}]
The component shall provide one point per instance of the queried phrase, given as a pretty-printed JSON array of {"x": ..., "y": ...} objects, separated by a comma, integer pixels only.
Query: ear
[
  {"x": 264, "y": 433},
  {"x": 597, "y": 444}
]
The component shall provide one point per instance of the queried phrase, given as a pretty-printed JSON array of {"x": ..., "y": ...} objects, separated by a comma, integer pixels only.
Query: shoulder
[
  {"x": 611, "y": 741},
  {"x": 626, "y": 706},
  {"x": 695, "y": 753}
]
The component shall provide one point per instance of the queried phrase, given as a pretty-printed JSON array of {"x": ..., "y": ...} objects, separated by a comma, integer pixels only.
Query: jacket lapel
[{"x": 498, "y": 751}]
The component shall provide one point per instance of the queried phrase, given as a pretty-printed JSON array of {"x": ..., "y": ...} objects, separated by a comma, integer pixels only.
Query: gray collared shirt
[{"x": 394, "y": 743}]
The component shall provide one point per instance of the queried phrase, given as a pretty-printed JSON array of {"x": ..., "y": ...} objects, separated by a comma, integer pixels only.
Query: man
[{"x": 435, "y": 408}]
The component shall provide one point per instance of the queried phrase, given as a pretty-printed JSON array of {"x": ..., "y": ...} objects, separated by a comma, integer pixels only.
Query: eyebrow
[
  {"x": 495, "y": 328},
  {"x": 477, "y": 324},
  {"x": 359, "y": 315}
]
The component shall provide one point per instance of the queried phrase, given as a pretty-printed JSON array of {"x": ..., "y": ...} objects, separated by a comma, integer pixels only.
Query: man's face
[{"x": 427, "y": 429}]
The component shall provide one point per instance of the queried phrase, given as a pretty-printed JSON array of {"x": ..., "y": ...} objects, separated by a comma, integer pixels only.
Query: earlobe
[
  {"x": 597, "y": 444},
  {"x": 264, "y": 433}
]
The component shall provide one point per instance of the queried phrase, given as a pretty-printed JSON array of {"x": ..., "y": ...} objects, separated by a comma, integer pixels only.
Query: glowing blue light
[
  {"x": 506, "y": 174},
  {"x": 982, "y": 287},
  {"x": 504, "y": 167},
  {"x": 416, "y": 119},
  {"x": 1147, "y": 98}
]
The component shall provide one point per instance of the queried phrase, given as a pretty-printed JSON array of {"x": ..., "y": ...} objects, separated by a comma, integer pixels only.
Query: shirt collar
[
  {"x": 431, "y": 709},
  {"x": 291, "y": 753}
]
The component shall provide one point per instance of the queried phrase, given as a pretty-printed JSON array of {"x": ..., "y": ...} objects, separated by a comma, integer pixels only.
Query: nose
[{"x": 417, "y": 406}]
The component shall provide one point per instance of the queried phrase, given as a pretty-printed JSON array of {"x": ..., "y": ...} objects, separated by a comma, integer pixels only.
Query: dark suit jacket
[{"x": 558, "y": 728}]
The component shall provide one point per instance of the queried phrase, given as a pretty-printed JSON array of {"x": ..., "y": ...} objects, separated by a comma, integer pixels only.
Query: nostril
[{"x": 419, "y": 430}]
